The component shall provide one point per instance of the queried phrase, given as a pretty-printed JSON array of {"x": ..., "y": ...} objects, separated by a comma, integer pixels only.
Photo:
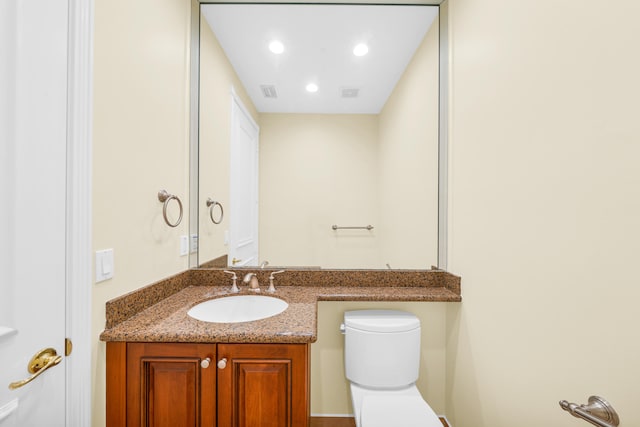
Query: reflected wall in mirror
[{"x": 362, "y": 150}]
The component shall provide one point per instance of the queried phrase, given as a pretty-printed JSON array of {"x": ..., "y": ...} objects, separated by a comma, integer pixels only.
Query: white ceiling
[{"x": 319, "y": 41}]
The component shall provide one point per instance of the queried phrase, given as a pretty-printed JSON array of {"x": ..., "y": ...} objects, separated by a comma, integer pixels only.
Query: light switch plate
[{"x": 104, "y": 265}]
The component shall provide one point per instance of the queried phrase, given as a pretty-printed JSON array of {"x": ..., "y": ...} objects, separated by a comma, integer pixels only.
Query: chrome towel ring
[
  {"x": 165, "y": 198},
  {"x": 212, "y": 204}
]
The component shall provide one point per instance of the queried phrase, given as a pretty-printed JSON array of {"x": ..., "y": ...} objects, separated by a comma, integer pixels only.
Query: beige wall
[
  {"x": 408, "y": 163},
  {"x": 140, "y": 145},
  {"x": 217, "y": 77},
  {"x": 317, "y": 170},
  {"x": 544, "y": 210}
]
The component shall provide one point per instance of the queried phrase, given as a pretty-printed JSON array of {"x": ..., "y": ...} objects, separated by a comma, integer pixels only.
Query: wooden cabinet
[
  {"x": 263, "y": 385},
  {"x": 166, "y": 384}
]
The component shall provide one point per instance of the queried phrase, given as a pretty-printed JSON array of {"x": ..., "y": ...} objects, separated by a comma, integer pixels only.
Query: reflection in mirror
[{"x": 360, "y": 150}]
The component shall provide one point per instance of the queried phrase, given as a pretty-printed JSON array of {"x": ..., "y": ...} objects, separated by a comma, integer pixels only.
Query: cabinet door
[
  {"x": 263, "y": 385},
  {"x": 168, "y": 387}
]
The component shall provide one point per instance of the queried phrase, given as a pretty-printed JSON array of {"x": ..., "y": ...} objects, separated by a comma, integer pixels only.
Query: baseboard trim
[
  {"x": 328, "y": 421},
  {"x": 332, "y": 415},
  {"x": 341, "y": 420}
]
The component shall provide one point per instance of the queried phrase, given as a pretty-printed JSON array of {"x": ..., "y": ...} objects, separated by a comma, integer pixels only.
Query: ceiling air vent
[
  {"x": 269, "y": 91},
  {"x": 349, "y": 92}
]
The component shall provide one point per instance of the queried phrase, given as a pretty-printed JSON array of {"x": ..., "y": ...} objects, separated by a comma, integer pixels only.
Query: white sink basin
[{"x": 238, "y": 308}]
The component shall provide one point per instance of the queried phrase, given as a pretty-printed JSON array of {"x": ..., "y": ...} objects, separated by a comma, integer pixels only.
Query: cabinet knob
[
  {"x": 222, "y": 363},
  {"x": 205, "y": 363}
]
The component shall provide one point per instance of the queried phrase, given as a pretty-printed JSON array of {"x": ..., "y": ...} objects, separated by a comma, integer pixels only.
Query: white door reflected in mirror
[{"x": 243, "y": 181}]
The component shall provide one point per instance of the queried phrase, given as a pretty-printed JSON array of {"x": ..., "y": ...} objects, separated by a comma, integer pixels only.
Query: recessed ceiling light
[
  {"x": 276, "y": 47},
  {"x": 360, "y": 49},
  {"x": 312, "y": 87}
]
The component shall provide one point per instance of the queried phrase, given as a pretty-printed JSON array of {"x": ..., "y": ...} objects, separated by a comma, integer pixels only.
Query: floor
[{"x": 343, "y": 422}]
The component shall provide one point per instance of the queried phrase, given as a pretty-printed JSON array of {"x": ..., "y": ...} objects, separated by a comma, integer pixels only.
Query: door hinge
[{"x": 68, "y": 346}]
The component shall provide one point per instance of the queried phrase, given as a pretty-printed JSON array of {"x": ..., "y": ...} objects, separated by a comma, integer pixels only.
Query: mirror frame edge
[
  {"x": 443, "y": 123},
  {"x": 194, "y": 129},
  {"x": 443, "y": 134}
]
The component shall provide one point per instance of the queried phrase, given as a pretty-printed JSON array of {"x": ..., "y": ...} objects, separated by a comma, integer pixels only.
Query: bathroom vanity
[
  {"x": 188, "y": 384},
  {"x": 167, "y": 368}
]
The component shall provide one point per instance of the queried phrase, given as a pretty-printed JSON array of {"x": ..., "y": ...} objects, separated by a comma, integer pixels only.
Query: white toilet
[{"x": 382, "y": 358}]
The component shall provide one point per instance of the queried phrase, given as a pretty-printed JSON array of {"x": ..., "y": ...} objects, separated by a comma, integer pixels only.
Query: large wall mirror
[{"x": 318, "y": 139}]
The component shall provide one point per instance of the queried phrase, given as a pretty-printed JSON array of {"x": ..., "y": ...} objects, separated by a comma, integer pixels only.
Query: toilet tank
[{"x": 381, "y": 347}]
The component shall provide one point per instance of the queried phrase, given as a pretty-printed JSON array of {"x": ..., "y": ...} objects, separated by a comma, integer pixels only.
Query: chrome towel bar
[
  {"x": 367, "y": 227},
  {"x": 598, "y": 412}
]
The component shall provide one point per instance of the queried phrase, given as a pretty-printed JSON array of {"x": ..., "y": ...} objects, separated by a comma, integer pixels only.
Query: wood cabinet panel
[
  {"x": 167, "y": 387},
  {"x": 170, "y": 392},
  {"x": 263, "y": 385},
  {"x": 262, "y": 393}
]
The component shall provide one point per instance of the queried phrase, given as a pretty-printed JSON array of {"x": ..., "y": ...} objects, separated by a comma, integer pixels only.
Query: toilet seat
[{"x": 384, "y": 410}]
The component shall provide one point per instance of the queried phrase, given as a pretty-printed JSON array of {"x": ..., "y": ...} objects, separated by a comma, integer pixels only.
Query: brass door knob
[{"x": 234, "y": 261}]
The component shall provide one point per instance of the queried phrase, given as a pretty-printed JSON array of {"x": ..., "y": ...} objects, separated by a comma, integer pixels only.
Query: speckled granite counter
[{"x": 158, "y": 313}]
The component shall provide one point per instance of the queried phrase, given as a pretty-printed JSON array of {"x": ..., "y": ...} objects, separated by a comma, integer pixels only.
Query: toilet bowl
[{"x": 382, "y": 359}]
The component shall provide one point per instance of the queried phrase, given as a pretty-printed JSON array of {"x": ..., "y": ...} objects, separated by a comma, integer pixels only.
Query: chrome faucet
[{"x": 251, "y": 279}]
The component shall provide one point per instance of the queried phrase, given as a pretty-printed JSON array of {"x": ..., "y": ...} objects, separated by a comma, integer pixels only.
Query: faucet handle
[
  {"x": 234, "y": 278},
  {"x": 272, "y": 288}
]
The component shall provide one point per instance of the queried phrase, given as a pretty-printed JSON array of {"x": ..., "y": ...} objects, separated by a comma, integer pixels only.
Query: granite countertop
[{"x": 162, "y": 314}]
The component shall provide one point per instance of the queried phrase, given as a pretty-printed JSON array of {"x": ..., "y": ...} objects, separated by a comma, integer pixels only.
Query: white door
[
  {"x": 243, "y": 180},
  {"x": 33, "y": 109}
]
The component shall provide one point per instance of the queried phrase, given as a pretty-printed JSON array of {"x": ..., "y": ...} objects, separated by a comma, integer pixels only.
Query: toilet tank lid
[{"x": 381, "y": 320}]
